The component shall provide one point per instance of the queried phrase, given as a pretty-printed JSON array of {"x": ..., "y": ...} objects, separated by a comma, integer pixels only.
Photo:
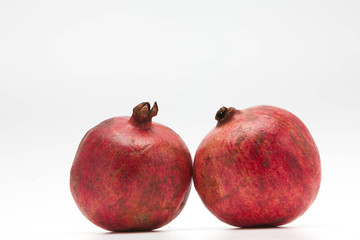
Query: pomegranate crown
[
  {"x": 224, "y": 114},
  {"x": 143, "y": 114}
]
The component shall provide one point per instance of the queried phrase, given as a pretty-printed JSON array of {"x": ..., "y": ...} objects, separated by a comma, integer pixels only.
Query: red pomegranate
[
  {"x": 258, "y": 167},
  {"x": 130, "y": 174}
]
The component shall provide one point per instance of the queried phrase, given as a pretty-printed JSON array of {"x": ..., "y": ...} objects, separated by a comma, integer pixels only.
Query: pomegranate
[
  {"x": 258, "y": 167},
  {"x": 130, "y": 174}
]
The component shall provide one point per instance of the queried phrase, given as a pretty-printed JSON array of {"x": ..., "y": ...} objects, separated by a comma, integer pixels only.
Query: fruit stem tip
[
  {"x": 224, "y": 114},
  {"x": 142, "y": 112}
]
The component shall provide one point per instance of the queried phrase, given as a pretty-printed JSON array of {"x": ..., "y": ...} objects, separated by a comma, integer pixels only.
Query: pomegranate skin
[
  {"x": 130, "y": 174},
  {"x": 258, "y": 167}
]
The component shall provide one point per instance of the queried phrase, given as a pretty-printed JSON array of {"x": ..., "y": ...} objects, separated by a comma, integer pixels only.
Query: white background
[{"x": 67, "y": 65}]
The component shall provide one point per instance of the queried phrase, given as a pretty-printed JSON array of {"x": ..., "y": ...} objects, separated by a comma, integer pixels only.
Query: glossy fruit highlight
[
  {"x": 258, "y": 167},
  {"x": 130, "y": 174}
]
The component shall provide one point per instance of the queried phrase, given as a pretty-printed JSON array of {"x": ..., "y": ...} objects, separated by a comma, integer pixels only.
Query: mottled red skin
[
  {"x": 261, "y": 168},
  {"x": 125, "y": 178}
]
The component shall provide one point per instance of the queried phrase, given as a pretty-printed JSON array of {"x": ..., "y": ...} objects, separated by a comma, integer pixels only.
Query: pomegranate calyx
[
  {"x": 224, "y": 114},
  {"x": 142, "y": 114}
]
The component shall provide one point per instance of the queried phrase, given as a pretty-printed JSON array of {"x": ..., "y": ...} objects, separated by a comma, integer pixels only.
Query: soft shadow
[
  {"x": 282, "y": 232},
  {"x": 259, "y": 228},
  {"x": 259, "y": 233},
  {"x": 133, "y": 232},
  {"x": 150, "y": 234}
]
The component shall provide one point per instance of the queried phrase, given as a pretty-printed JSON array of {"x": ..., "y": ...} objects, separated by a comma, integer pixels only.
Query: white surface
[{"x": 67, "y": 65}]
